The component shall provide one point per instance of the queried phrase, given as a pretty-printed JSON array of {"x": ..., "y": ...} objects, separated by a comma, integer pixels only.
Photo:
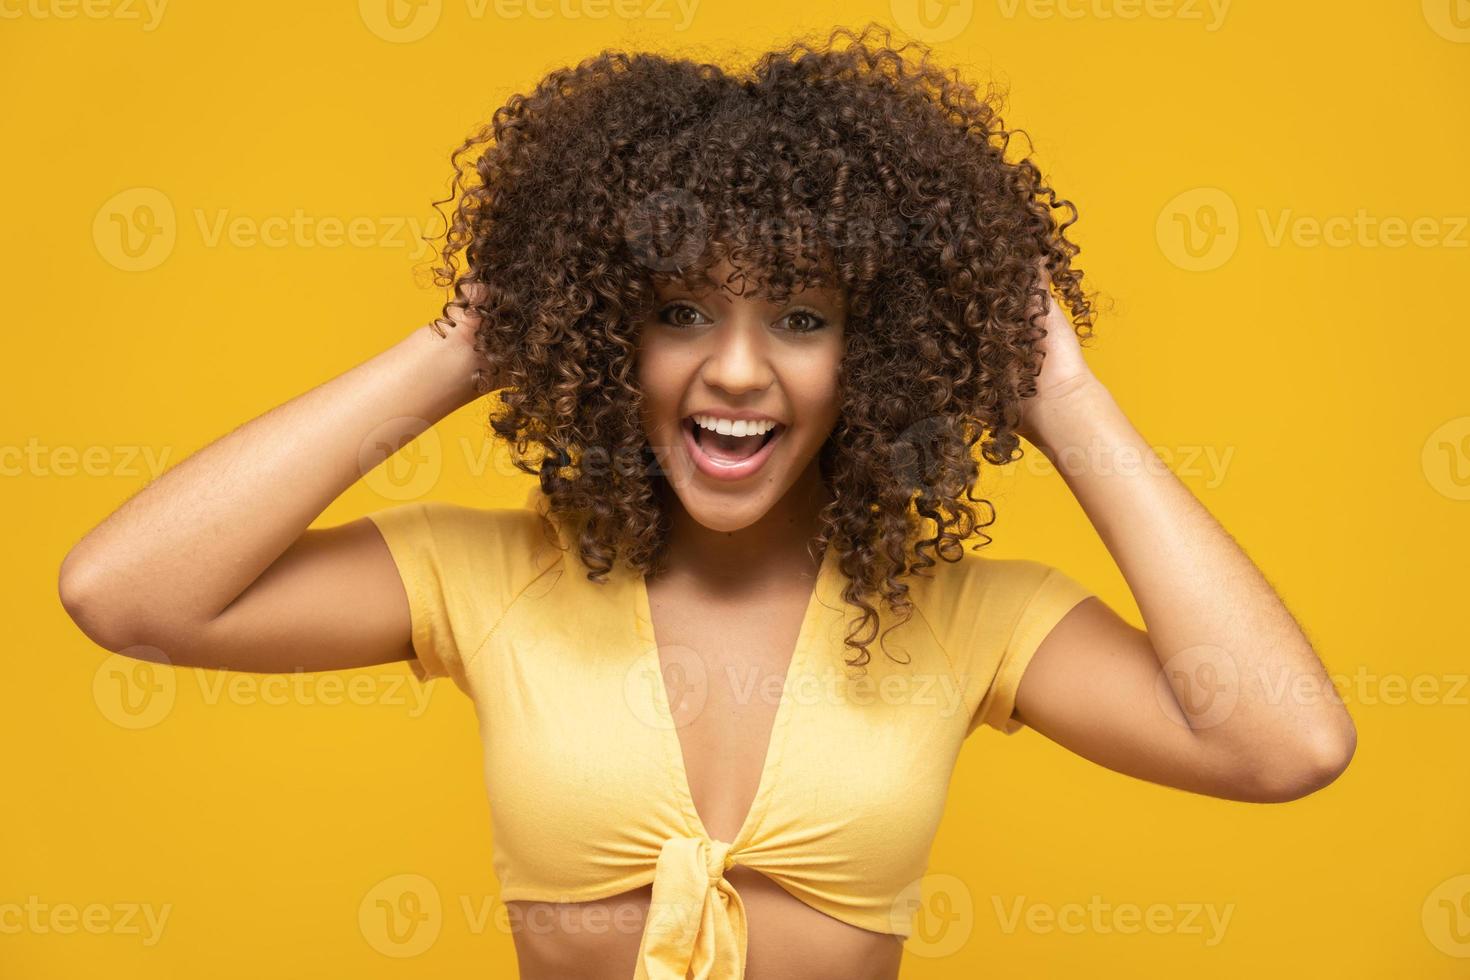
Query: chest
[
  {"x": 616, "y": 716},
  {"x": 724, "y": 665}
]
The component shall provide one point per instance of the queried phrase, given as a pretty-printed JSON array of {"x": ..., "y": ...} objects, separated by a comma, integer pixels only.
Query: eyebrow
[{"x": 813, "y": 295}]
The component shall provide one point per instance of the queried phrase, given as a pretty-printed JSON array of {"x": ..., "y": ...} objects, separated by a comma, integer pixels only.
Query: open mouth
[
  {"x": 728, "y": 457},
  {"x": 729, "y": 449}
]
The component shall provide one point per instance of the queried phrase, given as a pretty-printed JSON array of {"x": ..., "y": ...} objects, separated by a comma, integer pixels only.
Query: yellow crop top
[{"x": 584, "y": 771}]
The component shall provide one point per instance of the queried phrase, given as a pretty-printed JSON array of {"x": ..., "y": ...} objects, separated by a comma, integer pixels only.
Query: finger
[
  {"x": 1044, "y": 271},
  {"x": 472, "y": 292}
]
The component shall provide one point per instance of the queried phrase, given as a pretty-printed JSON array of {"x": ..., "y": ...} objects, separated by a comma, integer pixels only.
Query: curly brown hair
[{"x": 853, "y": 165}]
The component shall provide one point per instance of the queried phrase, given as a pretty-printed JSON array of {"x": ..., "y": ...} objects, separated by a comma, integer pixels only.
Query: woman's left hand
[{"x": 1063, "y": 371}]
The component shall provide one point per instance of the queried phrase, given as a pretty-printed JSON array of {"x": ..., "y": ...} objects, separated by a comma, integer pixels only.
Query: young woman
[{"x": 746, "y": 329}]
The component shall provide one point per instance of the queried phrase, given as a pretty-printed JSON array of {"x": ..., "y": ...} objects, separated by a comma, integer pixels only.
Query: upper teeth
[{"x": 741, "y": 427}]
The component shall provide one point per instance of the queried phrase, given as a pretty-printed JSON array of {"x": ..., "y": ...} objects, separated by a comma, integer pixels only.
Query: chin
[{"x": 731, "y": 510}]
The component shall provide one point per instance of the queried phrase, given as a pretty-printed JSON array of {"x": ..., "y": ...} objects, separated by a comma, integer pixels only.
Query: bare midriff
[{"x": 788, "y": 939}]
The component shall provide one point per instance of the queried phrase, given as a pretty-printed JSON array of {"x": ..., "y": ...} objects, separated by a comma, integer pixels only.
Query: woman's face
[{"x": 720, "y": 357}]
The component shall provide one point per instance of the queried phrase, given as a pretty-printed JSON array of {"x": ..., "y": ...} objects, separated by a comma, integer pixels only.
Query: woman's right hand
[{"x": 461, "y": 324}]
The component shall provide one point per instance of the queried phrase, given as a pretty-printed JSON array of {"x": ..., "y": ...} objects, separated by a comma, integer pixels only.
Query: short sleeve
[
  {"x": 990, "y": 616},
  {"x": 1052, "y": 599},
  {"x": 461, "y": 568}
]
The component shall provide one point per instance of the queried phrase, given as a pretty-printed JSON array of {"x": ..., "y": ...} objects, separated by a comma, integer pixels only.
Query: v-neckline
[{"x": 675, "y": 746}]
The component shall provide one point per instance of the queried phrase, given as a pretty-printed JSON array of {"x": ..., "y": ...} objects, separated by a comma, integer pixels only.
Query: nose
[{"x": 737, "y": 360}]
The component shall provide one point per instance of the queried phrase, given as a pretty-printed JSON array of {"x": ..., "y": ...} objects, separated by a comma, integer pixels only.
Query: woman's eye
[
  {"x": 805, "y": 321},
  {"x": 684, "y": 315},
  {"x": 678, "y": 315}
]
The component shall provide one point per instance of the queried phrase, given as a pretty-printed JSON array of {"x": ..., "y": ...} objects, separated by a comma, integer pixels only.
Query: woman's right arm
[{"x": 214, "y": 563}]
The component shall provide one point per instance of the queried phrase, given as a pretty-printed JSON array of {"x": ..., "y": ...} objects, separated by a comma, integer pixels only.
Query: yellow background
[{"x": 1311, "y": 394}]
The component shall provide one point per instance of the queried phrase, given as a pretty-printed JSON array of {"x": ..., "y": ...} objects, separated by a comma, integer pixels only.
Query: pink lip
[{"x": 721, "y": 471}]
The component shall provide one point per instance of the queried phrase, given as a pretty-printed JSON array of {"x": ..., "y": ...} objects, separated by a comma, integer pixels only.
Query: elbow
[
  {"x": 79, "y": 588},
  {"x": 95, "y": 602},
  {"x": 1311, "y": 768}
]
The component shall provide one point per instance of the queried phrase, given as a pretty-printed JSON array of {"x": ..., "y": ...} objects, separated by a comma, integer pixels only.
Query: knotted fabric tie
[{"x": 696, "y": 920}]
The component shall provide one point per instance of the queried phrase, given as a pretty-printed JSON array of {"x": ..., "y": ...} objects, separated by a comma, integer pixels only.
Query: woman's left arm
[{"x": 1223, "y": 694}]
